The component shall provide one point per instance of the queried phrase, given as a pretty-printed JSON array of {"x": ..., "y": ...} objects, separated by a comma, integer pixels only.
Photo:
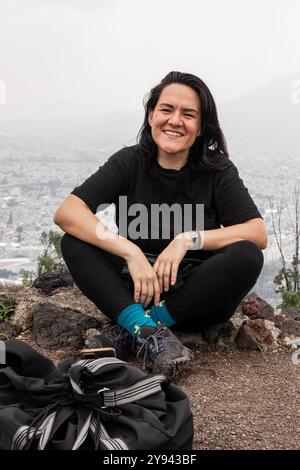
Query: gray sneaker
[
  {"x": 162, "y": 351},
  {"x": 117, "y": 337}
]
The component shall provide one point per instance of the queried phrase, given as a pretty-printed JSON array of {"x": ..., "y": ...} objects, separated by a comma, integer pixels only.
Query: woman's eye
[{"x": 186, "y": 114}]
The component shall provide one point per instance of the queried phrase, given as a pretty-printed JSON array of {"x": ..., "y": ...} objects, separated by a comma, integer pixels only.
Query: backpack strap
[
  {"x": 110, "y": 443},
  {"x": 82, "y": 434},
  {"x": 141, "y": 389},
  {"x": 105, "y": 397}
]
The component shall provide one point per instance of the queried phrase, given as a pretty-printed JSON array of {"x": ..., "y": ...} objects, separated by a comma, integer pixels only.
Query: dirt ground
[
  {"x": 240, "y": 400},
  {"x": 244, "y": 400}
]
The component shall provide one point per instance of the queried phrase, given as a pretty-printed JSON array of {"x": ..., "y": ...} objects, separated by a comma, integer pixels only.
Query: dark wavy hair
[{"x": 209, "y": 144}]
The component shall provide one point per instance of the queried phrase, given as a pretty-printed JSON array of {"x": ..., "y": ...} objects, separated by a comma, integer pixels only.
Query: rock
[
  {"x": 56, "y": 328},
  {"x": 50, "y": 281},
  {"x": 93, "y": 338},
  {"x": 188, "y": 338},
  {"x": 100, "y": 341},
  {"x": 90, "y": 333},
  {"x": 66, "y": 298},
  {"x": 6, "y": 331},
  {"x": 22, "y": 318},
  {"x": 238, "y": 319},
  {"x": 254, "y": 306},
  {"x": 221, "y": 334},
  {"x": 291, "y": 312},
  {"x": 288, "y": 324},
  {"x": 257, "y": 334},
  {"x": 273, "y": 330}
]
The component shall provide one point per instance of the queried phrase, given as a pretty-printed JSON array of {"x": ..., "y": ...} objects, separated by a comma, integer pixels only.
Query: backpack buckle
[{"x": 100, "y": 391}]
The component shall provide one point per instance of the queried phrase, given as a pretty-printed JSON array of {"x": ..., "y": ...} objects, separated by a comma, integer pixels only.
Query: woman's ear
[{"x": 150, "y": 115}]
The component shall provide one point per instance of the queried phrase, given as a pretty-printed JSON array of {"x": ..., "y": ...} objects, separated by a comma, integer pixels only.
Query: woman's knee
[
  {"x": 249, "y": 256},
  {"x": 76, "y": 252},
  {"x": 70, "y": 246}
]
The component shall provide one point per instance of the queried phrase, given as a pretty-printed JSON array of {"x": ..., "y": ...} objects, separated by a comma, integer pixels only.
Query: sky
[{"x": 60, "y": 57}]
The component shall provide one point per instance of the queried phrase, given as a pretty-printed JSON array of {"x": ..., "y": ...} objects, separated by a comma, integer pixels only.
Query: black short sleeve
[
  {"x": 105, "y": 185},
  {"x": 233, "y": 203}
]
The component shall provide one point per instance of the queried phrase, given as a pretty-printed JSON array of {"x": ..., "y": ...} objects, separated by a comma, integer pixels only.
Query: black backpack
[{"x": 103, "y": 404}]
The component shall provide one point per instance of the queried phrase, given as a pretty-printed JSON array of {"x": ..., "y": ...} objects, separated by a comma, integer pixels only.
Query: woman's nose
[{"x": 175, "y": 119}]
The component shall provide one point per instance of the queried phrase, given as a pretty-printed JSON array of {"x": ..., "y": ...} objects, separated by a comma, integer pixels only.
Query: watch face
[{"x": 195, "y": 239}]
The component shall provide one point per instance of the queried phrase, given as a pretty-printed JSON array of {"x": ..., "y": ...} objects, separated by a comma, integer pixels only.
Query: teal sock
[
  {"x": 134, "y": 317},
  {"x": 161, "y": 315}
]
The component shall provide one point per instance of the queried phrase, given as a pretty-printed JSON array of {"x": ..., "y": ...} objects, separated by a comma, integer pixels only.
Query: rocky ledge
[{"x": 59, "y": 317}]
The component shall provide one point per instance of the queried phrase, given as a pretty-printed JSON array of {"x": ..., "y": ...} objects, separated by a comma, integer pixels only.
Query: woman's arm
[
  {"x": 167, "y": 263},
  {"x": 76, "y": 218},
  {"x": 253, "y": 230}
]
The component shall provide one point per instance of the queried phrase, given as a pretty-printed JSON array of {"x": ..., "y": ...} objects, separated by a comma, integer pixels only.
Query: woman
[{"x": 181, "y": 159}]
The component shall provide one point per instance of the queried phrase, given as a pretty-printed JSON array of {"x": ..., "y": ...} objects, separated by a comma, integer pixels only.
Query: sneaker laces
[{"x": 156, "y": 342}]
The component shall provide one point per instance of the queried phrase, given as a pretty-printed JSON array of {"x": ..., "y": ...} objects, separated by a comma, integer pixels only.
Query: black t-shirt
[{"x": 131, "y": 173}]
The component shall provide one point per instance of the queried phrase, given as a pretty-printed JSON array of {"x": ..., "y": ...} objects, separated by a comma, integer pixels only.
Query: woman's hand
[
  {"x": 168, "y": 261},
  {"x": 145, "y": 280}
]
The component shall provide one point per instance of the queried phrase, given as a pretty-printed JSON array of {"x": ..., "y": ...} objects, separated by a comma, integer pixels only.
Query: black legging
[{"x": 209, "y": 295}]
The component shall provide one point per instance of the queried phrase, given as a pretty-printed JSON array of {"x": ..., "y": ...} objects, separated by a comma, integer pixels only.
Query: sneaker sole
[{"x": 175, "y": 367}]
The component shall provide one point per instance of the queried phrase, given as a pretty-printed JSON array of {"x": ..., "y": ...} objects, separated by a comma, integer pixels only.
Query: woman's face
[{"x": 175, "y": 121}]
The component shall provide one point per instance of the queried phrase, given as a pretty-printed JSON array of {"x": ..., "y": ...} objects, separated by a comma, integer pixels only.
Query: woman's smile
[{"x": 173, "y": 135}]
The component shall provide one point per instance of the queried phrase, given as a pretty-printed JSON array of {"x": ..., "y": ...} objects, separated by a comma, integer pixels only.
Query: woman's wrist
[
  {"x": 129, "y": 249},
  {"x": 194, "y": 239},
  {"x": 132, "y": 251}
]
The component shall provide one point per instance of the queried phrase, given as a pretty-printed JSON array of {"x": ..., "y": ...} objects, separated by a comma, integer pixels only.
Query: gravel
[{"x": 244, "y": 400}]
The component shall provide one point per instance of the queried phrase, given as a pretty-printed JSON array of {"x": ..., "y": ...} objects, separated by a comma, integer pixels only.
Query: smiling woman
[
  {"x": 181, "y": 160},
  {"x": 183, "y": 103}
]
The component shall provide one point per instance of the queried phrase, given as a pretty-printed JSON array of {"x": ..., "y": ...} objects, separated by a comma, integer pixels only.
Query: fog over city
[{"x": 73, "y": 76}]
